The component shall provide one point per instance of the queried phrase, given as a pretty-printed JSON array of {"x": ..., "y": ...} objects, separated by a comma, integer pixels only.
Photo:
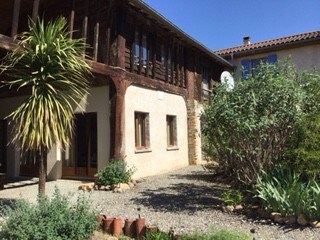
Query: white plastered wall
[
  {"x": 305, "y": 57},
  {"x": 158, "y": 105},
  {"x": 97, "y": 101}
]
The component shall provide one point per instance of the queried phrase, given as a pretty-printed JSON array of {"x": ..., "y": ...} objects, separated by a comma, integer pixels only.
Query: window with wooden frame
[
  {"x": 205, "y": 82},
  {"x": 171, "y": 131},
  {"x": 140, "y": 50},
  {"x": 141, "y": 125}
]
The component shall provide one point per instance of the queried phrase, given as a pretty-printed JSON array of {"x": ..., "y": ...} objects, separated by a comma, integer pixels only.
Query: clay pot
[
  {"x": 117, "y": 227},
  {"x": 101, "y": 217},
  {"x": 141, "y": 228},
  {"x": 100, "y": 220},
  {"x": 130, "y": 228},
  {"x": 108, "y": 225}
]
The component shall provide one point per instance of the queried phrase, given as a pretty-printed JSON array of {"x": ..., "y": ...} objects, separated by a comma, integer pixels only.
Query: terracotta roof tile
[{"x": 270, "y": 43}]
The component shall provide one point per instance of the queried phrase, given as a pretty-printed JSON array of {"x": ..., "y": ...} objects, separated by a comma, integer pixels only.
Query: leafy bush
[
  {"x": 158, "y": 235},
  {"x": 216, "y": 234},
  {"x": 115, "y": 172},
  {"x": 249, "y": 126},
  {"x": 232, "y": 197},
  {"x": 48, "y": 219},
  {"x": 284, "y": 191},
  {"x": 303, "y": 150}
]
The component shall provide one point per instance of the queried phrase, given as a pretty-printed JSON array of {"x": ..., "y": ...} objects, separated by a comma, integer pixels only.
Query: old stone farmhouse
[{"x": 150, "y": 81}]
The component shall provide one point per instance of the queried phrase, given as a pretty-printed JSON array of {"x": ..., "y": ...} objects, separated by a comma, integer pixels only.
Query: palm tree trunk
[{"x": 42, "y": 172}]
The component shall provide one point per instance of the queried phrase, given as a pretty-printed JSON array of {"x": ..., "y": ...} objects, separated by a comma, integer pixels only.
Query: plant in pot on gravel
[{"x": 115, "y": 172}]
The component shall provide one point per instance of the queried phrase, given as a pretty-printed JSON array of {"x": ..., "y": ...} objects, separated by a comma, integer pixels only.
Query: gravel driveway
[{"x": 184, "y": 200}]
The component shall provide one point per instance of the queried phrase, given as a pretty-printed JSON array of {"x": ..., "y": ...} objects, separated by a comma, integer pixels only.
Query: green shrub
[
  {"x": 232, "y": 197},
  {"x": 303, "y": 150},
  {"x": 53, "y": 219},
  {"x": 115, "y": 172},
  {"x": 216, "y": 234},
  {"x": 158, "y": 235},
  {"x": 282, "y": 190},
  {"x": 249, "y": 126}
]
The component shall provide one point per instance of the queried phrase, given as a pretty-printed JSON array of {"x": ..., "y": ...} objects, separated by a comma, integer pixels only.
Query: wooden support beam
[
  {"x": 35, "y": 10},
  {"x": 15, "y": 18},
  {"x": 7, "y": 43},
  {"x": 107, "y": 58},
  {"x": 96, "y": 32},
  {"x": 85, "y": 23},
  {"x": 71, "y": 18}
]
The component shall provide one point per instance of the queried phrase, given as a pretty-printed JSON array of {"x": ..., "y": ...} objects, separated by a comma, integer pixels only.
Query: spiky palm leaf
[{"x": 52, "y": 66}]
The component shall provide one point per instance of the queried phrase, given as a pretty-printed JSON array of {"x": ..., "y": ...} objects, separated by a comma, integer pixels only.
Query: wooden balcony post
[
  {"x": 71, "y": 18},
  {"x": 96, "y": 32},
  {"x": 35, "y": 10},
  {"x": 15, "y": 18}
]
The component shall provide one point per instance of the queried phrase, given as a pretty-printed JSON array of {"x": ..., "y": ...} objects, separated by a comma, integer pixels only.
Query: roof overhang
[{"x": 174, "y": 29}]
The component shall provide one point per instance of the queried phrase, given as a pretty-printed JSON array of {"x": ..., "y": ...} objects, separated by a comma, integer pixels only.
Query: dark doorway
[
  {"x": 3, "y": 146},
  {"x": 81, "y": 158}
]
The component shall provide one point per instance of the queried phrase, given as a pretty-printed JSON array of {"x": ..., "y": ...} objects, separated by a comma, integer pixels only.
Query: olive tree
[{"x": 247, "y": 128}]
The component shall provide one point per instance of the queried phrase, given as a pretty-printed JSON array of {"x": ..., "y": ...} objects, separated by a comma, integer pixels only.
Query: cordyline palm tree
[{"x": 51, "y": 65}]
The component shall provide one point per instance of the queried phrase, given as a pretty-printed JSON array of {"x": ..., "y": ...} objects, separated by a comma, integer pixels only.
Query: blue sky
[{"x": 222, "y": 23}]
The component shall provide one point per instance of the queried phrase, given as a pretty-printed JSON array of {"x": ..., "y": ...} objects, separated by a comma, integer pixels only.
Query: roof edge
[{"x": 191, "y": 40}]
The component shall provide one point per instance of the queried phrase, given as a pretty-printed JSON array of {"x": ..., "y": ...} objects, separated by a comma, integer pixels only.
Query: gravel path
[{"x": 184, "y": 199}]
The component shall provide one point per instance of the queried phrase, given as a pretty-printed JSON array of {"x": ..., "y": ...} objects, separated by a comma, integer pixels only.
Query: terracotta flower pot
[
  {"x": 141, "y": 228},
  {"x": 117, "y": 227},
  {"x": 130, "y": 228},
  {"x": 100, "y": 220},
  {"x": 101, "y": 217},
  {"x": 108, "y": 225}
]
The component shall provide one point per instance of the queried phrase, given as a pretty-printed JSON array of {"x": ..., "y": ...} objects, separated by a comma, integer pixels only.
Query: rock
[
  {"x": 86, "y": 187},
  {"x": 274, "y": 214},
  {"x": 131, "y": 185},
  {"x": 315, "y": 224},
  {"x": 228, "y": 208},
  {"x": 278, "y": 219},
  {"x": 290, "y": 220},
  {"x": 238, "y": 207},
  {"x": 124, "y": 186},
  {"x": 302, "y": 220},
  {"x": 252, "y": 230},
  {"x": 107, "y": 187},
  {"x": 117, "y": 190}
]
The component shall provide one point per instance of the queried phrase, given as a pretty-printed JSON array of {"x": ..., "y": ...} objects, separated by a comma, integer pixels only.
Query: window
[
  {"x": 136, "y": 48},
  {"x": 171, "y": 131},
  {"x": 140, "y": 50},
  {"x": 205, "y": 83},
  {"x": 248, "y": 65},
  {"x": 141, "y": 122}
]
